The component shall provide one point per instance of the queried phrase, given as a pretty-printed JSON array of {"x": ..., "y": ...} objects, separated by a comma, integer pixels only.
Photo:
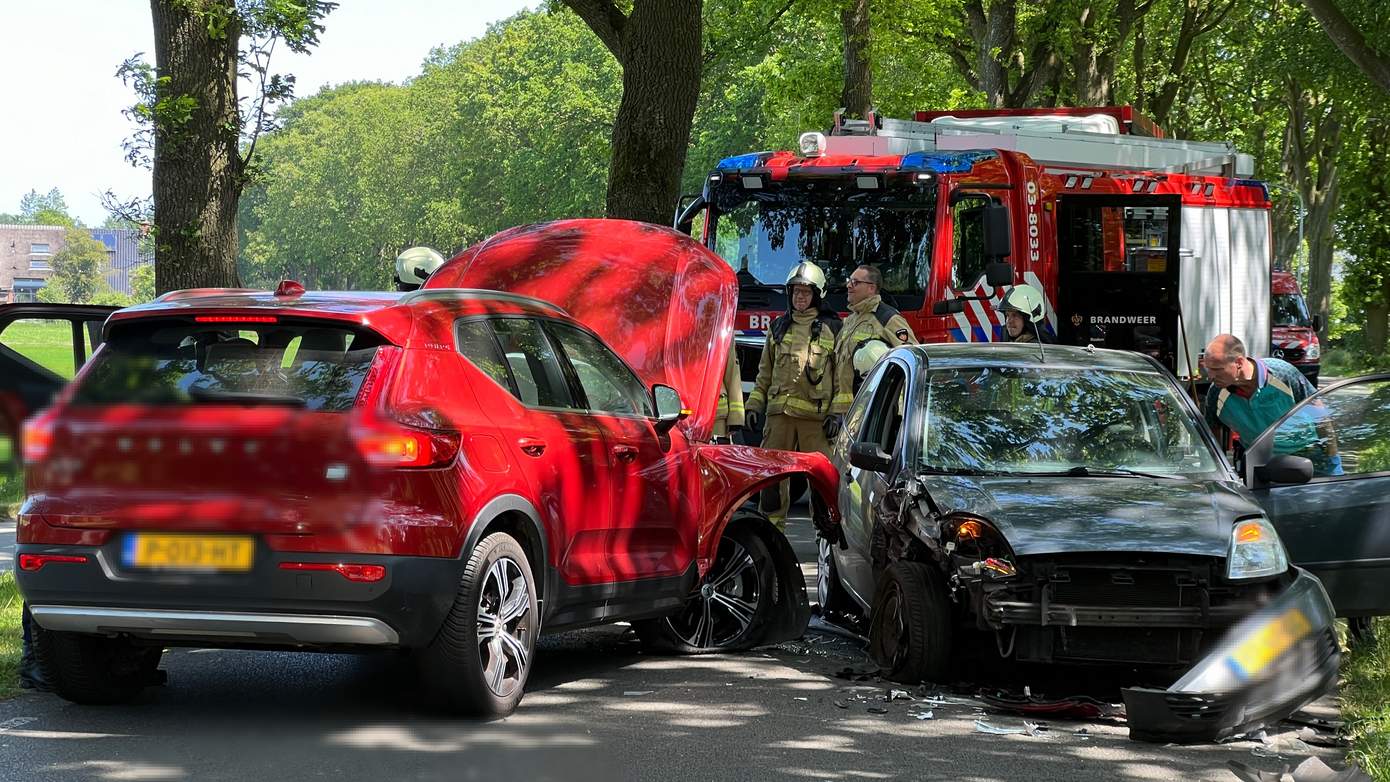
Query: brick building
[{"x": 26, "y": 253}]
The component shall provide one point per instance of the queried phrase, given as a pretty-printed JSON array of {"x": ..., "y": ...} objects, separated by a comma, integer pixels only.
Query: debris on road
[
  {"x": 634, "y": 693},
  {"x": 1077, "y": 707},
  {"x": 1310, "y": 770},
  {"x": 877, "y": 710},
  {"x": 1028, "y": 729},
  {"x": 922, "y": 715},
  {"x": 897, "y": 695}
]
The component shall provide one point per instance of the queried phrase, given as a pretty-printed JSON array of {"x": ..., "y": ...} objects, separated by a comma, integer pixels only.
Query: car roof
[
  {"x": 1003, "y": 354},
  {"x": 387, "y": 312}
]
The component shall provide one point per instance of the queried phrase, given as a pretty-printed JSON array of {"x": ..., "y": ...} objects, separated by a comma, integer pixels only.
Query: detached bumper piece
[{"x": 1262, "y": 670}]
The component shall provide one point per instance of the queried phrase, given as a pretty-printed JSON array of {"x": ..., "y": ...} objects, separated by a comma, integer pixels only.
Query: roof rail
[
  {"x": 194, "y": 293},
  {"x": 459, "y": 294}
]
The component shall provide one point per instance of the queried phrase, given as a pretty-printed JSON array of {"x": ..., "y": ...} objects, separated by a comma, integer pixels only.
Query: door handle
[
  {"x": 624, "y": 453},
  {"x": 531, "y": 446}
]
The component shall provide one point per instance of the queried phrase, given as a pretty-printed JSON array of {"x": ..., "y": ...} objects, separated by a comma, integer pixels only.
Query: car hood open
[
  {"x": 660, "y": 299},
  {"x": 1055, "y": 515}
]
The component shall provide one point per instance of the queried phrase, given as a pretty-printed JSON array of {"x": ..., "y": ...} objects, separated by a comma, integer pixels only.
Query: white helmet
[
  {"x": 1025, "y": 300},
  {"x": 868, "y": 354},
  {"x": 415, "y": 265},
  {"x": 806, "y": 273}
]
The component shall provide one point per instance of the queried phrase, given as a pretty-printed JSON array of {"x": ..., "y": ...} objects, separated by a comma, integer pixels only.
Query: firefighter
[
  {"x": 870, "y": 318},
  {"x": 1023, "y": 311},
  {"x": 414, "y": 266},
  {"x": 728, "y": 416},
  {"x": 796, "y": 376}
]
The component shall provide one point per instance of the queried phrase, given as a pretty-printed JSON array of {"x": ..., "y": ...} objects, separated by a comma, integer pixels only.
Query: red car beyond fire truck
[{"x": 1138, "y": 241}]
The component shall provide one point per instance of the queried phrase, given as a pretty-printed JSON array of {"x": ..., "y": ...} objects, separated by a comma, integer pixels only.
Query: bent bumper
[{"x": 1266, "y": 667}]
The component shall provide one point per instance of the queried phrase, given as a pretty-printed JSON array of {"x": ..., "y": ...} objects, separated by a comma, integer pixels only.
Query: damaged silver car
[{"x": 1070, "y": 507}]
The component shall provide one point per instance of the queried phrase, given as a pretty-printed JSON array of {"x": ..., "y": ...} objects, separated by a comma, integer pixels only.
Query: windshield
[
  {"x": 764, "y": 234},
  {"x": 308, "y": 366},
  {"x": 1042, "y": 420},
  {"x": 1289, "y": 310}
]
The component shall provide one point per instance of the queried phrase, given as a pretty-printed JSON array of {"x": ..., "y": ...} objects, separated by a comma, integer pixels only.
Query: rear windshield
[{"x": 308, "y": 366}]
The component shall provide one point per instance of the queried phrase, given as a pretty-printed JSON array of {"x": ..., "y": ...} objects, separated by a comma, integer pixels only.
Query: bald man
[{"x": 1248, "y": 395}]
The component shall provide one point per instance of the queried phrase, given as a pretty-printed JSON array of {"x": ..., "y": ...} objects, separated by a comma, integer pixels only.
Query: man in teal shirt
[{"x": 1249, "y": 395}]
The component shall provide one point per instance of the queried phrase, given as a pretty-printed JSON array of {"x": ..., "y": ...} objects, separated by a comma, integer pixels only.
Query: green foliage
[
  {"x": 142, "y": 283},
  {"x": 11, "y": 632},
  {"x": 77, "y": 269},
  {"x": 1365, "y": 696},
  {"x": 42, "y": 209}
]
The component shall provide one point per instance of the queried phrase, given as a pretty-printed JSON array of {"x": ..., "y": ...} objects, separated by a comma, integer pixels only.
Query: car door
[
  {"x": 1336, "y": 525},
  {"x": 651, "y": 533},
  {"x": 559, "y": 447},
  {"x": 882, "y": 425},
  {"x": 41, "y": 347}
]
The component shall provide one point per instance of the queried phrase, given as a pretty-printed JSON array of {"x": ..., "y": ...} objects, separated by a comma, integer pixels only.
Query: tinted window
[
  {"x": 1343, "y": 432},
  {"x": 317, "y": 368},
  {"x": 533, "y": 363},
  {"x": 609, "y": 386},
  {"x": 968, "y": 242},
  {"x": 1289, "y": 310},
  {"x": 476, "y": 343}
]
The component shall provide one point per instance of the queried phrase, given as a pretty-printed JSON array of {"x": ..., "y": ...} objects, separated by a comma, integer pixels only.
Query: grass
[
  {"x": 47, "y": 343},
  {"x": 11, "y": 635},
  {"x": 1366, "y": 702}
]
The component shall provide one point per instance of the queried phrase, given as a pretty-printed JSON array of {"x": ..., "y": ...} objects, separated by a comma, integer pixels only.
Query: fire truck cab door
[{"x": 1118, "y": 267}]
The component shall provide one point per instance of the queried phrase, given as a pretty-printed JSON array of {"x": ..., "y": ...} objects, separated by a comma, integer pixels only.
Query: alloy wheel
[
  {"x": 504, "y": 627},
  {"x": 722, "y": 611}
]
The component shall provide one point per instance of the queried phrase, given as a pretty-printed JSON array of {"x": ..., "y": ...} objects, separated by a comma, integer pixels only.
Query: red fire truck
[{"x": 1138, "y": 241}]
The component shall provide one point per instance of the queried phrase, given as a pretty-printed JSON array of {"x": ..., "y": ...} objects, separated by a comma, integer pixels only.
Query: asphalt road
[{"x": 596, "y": 708}]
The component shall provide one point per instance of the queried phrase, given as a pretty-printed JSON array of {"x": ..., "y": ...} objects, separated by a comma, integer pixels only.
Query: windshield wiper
[
  {"x": 244, "y": 398},
  {"x": 1082, "y": 471},
  {"x": 958, "y": 471}
]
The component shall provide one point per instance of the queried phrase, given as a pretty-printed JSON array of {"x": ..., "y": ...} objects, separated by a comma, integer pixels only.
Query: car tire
[
  {"x": 728, "y": 608},
  {"x": 910, "y": 624},
  {"x": 479, "y": 661},
  {"x": 95, "y": 669},
  {"x": 830, "y": 593},
  {"x": 1361, "y": 631}
]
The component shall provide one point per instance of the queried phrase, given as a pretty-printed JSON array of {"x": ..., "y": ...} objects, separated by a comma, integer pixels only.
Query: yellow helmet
[
  {"x": 807, "y": 273},
  {"x": 868, "y": 354}
]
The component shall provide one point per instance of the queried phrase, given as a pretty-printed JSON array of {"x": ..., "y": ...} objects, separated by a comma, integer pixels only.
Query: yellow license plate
[
  {"x": 190, "y": 552},
  {"x": 1255, "y": 653}
]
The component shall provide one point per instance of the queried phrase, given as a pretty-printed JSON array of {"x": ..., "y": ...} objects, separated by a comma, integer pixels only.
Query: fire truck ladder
[{"x": 1060, "y": 141}]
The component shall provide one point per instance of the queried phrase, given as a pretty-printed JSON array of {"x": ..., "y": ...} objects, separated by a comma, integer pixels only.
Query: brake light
[
  {"x": 37, "y": 439},
  {"x": 365, "y": 574},
  {"x": 408, "y": 447},
  {"x": 235, "y": 319},
  {"x": 34, "y": 562}
]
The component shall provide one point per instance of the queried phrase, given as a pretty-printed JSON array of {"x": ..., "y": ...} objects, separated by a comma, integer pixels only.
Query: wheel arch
[{"x": 516, "y": 516}]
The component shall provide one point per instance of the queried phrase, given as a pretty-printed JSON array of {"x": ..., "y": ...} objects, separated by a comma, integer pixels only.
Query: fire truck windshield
[{"x": 764, "y": 234}]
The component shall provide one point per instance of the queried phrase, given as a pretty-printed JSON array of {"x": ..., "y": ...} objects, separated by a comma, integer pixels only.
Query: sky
[{"x": 63, "y": 125}]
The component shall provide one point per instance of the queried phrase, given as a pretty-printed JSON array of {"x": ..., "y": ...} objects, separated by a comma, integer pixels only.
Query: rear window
[{"x": 312, "y": 366}]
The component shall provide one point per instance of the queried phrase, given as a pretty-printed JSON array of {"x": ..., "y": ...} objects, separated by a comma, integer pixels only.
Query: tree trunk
[
  {"x": 1350, "y": 41},
  {"x": 1313, "y": 139},
  {"x": 857, "y": 96},
  {"x": 197, "y": 175},
  {"x": 993, "y": 33},
  {"x": 1378, "y": 322}
]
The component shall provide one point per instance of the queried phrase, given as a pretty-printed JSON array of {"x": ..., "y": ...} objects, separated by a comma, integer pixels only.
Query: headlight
[
  {"x": 1313, "y": 350},
  {"x": 1255, "y": 552}
]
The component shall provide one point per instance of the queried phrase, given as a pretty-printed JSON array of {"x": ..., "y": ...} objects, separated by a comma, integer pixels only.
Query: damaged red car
[{"x": 519, "y": 448}]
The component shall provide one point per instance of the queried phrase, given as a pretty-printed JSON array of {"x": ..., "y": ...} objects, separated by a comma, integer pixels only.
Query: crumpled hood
[{"x": 1054, "y": 515}]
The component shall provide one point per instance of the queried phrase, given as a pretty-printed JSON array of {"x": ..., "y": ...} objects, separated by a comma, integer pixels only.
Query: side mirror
[
  {"x": 868, "y": 456},
  {"x": 687, "y": 207},
  {"x": 1317, "y": 323},
  {"x": 996, "y": 230},
  {"x": 999, "y": 274},
  {"x": 948, "y": 307},
  {"x": 669, "y": 410},
  {"x": 1285, "y": 468}
]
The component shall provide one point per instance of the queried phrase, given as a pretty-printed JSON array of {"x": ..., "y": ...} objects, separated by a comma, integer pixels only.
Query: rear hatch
[{"x": 225, "y": 423}]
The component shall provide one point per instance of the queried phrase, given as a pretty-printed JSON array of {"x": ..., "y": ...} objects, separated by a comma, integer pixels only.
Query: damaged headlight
[{"x": 1255, "y": 551}]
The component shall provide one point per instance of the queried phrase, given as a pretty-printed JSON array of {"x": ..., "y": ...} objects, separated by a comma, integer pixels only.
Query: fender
[
  {"x": 731, "y": 474},
  {"x": 547, "y": 575}
]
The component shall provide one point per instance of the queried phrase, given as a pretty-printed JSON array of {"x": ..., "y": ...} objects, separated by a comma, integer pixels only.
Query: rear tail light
[
  {"x": 365, "y": 574},
  {"x": 32, "y": 562},
  {"x": 403, "y": 447},
  {"x": 37, "y": 438}
]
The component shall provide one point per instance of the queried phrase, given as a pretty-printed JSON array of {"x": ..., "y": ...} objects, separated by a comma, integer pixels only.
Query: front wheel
[
  {"x": 733, "y": 602},
  {"x": 910, "y": 626},
  {"x": 479, "y": 661},
  {"x": 834, "y": 600}
]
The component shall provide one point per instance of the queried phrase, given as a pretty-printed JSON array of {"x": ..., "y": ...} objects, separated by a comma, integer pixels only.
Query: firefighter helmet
[
  {"x": 807, "y": 273},
  {"x": 1025, "y": 300},
  {"x": 868, "y": 354},
  {"x": 415, "y": 265}
]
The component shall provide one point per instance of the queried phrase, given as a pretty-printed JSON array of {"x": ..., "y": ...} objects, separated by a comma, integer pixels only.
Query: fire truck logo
[{"x": 1077, "y": 319}]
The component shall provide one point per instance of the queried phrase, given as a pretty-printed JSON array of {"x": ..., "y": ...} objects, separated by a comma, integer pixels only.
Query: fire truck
[{"x": 1138, "y": 241}]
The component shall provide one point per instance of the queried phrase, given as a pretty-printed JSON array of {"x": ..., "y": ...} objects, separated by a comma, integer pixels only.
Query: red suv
[{"x": 451, "y": 471}]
